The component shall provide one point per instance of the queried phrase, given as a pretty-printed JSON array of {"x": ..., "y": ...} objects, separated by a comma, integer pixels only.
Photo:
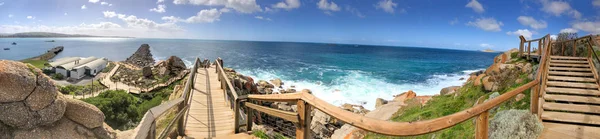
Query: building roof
[
  {"x": 71, "y": 65},
  {"x": 93, "y": 64},
  {"x": 62, "y": 61}
]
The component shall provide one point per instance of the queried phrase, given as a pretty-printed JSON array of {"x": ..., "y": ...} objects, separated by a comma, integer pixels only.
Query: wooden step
[
  {"x": 576, "y": 79},
  {"x": 238, "y": 136},
  {"x": 574, "y": 85},
  {"x": 569, "y": 131},
  {"x": 206, "y": 134},
  {"x": 572, "y": 107},
  {"x": 573, "y": 91},
  {"x": 571, "y": 73},
  {"x": 578, "y": 99},
  {"x": 569, "y": 65},
  {"x": 571, "y": 117},
  {"x": 568, "y": 57},
  {"x": 570, "y": 69},
  {"x": 569, "y": 61}
]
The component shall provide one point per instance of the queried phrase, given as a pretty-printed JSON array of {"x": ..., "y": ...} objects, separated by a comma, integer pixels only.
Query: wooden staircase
[
  {"x": 209, "y": 116},
  {"x": 571, "y": 106}
]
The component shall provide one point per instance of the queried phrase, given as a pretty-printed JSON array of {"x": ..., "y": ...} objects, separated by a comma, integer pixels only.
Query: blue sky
[{"x": 453, "y": 24}]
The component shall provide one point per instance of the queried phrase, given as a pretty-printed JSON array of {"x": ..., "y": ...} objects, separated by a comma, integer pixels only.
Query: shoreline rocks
[
  {"x": 142, "y": 57},
  {"x": 32, "y": 107}
]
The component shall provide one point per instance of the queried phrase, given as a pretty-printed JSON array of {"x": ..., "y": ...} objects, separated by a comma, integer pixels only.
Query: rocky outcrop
[
  {"x": 142, "y": 57},
  {"x": 405, "y": 96},
  {"x": 449, "y": 90},
  {"x": 147, "y": 72},
  {"x": 172, "y": 66},
  {"x": 32, "y": 107}
]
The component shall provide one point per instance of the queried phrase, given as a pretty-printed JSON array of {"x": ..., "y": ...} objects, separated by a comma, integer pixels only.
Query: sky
[{"x": 451, "y": 24}]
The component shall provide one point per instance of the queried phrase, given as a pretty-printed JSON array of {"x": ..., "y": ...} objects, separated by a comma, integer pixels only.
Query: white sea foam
[{"x": 358, "y": 88}]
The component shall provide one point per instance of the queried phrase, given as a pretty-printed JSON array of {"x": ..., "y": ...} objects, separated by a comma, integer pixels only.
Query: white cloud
[
  {"x": 476, "y": 6},
  {"x": 331, "y": 6},
  {"x": 109, "y": 14},
  {"x": 262, "y": 18},
  {"x": 160, "y": 9},
  {"x": 557, "y": 8},
  {"x": 1, "y": 3},
  {"x": 454, "y": 21},
  {"x": 587, "y": 26},
  {"x": 486, "y": 24},
  {"x": 553, "y": 37},
  {"x": 160, "y": 1},
  {"x": 142, "y": 23},
  {"x": 525, "y": 32},
  {"x": 596, "y": 3},
  {"x": 10, "y": 15},
  {"x": 66, "y": 14},
  {"x": 104, "y": 3},
  {"x": 387, "y": 6},
  {"x": 243, "y": 6},
  {"x": 83, "y": 7},
  {"x": 485, "y": 45},
  {"x": 204, "y": 16},
  {"x": 531, "y": 22},
  {"x": 94, "y": 1},
  {"x": 30, "y": 17},
  {"x": 100, "y": 29},
  {"x": 225, "y": 10},
  {"x": 287, "y": 4},
  {"x": 569, "y": 30},
  {"x": 109, "y": 4},
  {"x": 354, "y": 11}
]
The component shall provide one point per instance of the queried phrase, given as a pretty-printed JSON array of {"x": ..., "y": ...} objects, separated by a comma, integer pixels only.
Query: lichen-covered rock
[
  {"x": 67, "y": 129},
  {"x": 277, "y": 82},
  {"x": 17, "y": 115},
  {"x": 54, "y": 111},
  {"x": 477, "y": 81},
  {"x": 449, "y": 90},
  {"x": 5, "y": 131},
  {"x": 83, "y": 113},
  {"x": 105, "y": 132},
  {"x": 17, "y": 81},
  {"x": 36, "y": 133},
  {"x": 147, "y": 72},
  {"x": 45, "y": 92},
  {"x": 515, "y": 124},
  {"x": 380, "y": 102},
  {"x": 405, "y": 96}
]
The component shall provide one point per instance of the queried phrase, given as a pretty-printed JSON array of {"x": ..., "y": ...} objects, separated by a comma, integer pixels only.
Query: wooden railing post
[
  {"x": 152, "y": 132},
  {"x": 236, "y": 112},
  {"x": 482, "y": 126},
  {"x": 574, "y": 48},
  {"x": 302, "y": 126},
  {"x": 529, "y": 51},
  {"x": 521, "y": 49},
  {"x": 540, "y": 48},
  {"x": 249, "y": 119},
  {"x": 534, "y": 98}
]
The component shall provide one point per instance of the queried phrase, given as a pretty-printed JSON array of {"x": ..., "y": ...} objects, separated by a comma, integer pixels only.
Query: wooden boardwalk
[
  {"x": 210, "y": 115},
  {"x": 571, "y": 105}
]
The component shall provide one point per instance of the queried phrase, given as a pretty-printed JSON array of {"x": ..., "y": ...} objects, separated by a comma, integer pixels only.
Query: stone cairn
[{"x": 31, "y": 107}]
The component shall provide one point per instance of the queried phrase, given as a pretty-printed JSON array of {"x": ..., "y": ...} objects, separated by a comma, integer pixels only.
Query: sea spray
[{"x": 361, "y": 89}]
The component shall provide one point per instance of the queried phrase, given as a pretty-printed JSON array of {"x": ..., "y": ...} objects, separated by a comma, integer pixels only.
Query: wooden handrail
[
  {"x": 395, "y": 128},
  {"x": 221, "y": 73},
  {"x": 147, "y": 127}
]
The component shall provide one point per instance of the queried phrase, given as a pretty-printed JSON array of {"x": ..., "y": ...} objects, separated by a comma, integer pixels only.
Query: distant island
[
  {"x": 488, "y": 50},
  {"x": 51, "y": 35}
]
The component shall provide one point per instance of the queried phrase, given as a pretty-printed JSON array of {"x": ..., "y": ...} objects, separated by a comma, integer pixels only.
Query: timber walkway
[{"x": 565, "y": 95}]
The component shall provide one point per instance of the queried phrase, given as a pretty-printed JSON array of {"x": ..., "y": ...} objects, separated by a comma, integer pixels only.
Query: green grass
[
  {"x": 263, "y": 135},
  {"x": 36, "y": 63},
  {"x": 81, "y": 89},
  {"x": 110, "y": 66},
  {"x": 445, "y": 105}
]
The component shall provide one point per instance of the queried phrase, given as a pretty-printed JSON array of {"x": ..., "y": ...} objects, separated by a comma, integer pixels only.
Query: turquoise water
[{"x": 339, "y": 74}]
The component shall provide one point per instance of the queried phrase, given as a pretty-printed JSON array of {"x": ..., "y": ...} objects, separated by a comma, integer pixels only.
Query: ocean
[{"x": 338, "y": 74}]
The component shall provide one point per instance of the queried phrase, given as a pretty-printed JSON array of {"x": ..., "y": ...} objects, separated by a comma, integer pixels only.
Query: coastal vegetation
[
  {"x": 36, "y": 63},
  {"x": 109, "y": 67},
  {"x": 465, "y": 97},
  {"x": 123, "y": 110},
  {"x": 81, "y": 89}
]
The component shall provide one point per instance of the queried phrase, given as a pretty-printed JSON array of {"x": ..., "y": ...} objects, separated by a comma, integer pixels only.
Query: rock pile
[
  {"x": 32, "y": 107},
  {"x": 172, "y": 66},
  {"x": 142, "y": 57},
  {"x": 502, "y": 73}
]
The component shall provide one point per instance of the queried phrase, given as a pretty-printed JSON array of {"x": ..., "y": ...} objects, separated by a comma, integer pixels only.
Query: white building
[{"x": 76, "y": 68}]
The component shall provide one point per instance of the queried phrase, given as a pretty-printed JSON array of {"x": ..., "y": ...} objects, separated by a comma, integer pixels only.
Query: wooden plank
[
  {"x": 577, "y": 79},
  {"x": 568, "y": 57},
  {"x": 569, "y": 61},
  {"x": 570, "y": 84},
  {"x": 570, "y": 69},
  {"x": 286, "y": 115},
  {"x": 571, "y": 117},
  {"x": 571, "y": 73},
  {"x": 572, "y": 107},
  {"x": 569, "y": 65},
  {"x": 569, "y": 131},
  {"x": 301, "y": 126},
  {"x": 482, "y": 126},
  {"x": 569, "y": 98},
  {"x": 572, "y": 91}
]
